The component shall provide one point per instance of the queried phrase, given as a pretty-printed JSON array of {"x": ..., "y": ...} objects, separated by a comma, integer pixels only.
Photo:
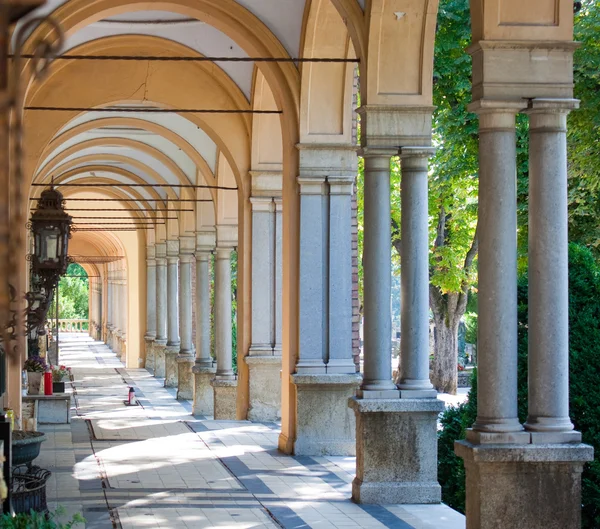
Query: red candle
[{"x": 48, "y": 383}]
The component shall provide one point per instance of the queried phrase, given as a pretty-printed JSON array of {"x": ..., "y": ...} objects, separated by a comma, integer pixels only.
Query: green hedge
[{"x": 584, "y": 334}]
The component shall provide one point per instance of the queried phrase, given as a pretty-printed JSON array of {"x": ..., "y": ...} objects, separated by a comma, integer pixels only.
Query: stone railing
[{"x": 71, "y": 325}]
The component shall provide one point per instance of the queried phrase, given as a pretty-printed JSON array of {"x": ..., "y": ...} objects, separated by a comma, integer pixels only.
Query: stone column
[
  {"x": 109, "y": 308},
  {"x": 377, "y": 258},
  {"x": 224, "y": 383},
  {"x": 340, "y": 359},
  {"x": 173, "y": 342},
  {"x": 548, "y": 419},
  {"x": 160, "y": 342},
  {"x": 204, "y": 372},
  {"x": 150, "y": 307},
  {"x": 497, "y": 419},
  {"x": 325, "y": 375},
  {"x": 185, "y": 359},
  {"x": 414, "y": 352},
  {"x": 404, "y": 471},
  {"x": 264, "y": 357}
]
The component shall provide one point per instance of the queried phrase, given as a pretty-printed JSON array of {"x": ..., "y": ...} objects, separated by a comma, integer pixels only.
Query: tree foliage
[
  {"x": 584, "y": 131},
  {"x": 73, "y": 295},
  {"x": 584, "y": 373}
]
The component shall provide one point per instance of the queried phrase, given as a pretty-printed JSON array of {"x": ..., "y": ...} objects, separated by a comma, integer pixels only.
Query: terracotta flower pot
[{"x": 34, "y": 382}]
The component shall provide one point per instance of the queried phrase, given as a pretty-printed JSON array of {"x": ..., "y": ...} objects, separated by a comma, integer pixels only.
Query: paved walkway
[{"x": 156, "y": 465}]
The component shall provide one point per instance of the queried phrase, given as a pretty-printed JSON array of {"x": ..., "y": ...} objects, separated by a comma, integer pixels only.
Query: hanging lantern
[{"x": 51, "y": 228}]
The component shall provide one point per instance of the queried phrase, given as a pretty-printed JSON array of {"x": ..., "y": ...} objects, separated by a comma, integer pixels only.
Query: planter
[
  {"x": 58, "y": 387},
  {"x": 26, "y": 447},
  {"x": 34, "y": 382},
  {"x": 29, "y": 491}
]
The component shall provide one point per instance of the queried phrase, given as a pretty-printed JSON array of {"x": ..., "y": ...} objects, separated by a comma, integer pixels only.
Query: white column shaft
[
  {"x": 185, "y": 304},
  {"x": 414, "y": 354},
  {"x": 263, "y": 276},
  {"x": 151, "y": 299},
  {"x": 203, "y": 357},
  {"x": 377, "y": 275},
  {"x": 173, "y": 301},
  {"x": 497, "y": 295},
  {"x": 161, "y": 299},
  {"x": 340, "y": 276},
  {"x": 313, "y": 276},
  {"x": 223, "y": 337},
  {"x": 548, "y": 270}
]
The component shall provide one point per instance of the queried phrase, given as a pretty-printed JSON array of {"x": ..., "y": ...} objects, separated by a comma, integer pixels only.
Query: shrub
[
  {"x": 37, "y": 520},
  {"x": 584, "y": 371}
]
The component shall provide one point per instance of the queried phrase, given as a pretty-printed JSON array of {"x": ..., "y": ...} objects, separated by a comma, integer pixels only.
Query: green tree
[
  {"x": 584, "y": 373},
  {"x": 584, "y": 131},
  {"x": 73, "y": 295}
]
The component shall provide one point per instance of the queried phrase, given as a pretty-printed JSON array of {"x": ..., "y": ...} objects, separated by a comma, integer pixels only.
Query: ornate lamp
[{"x": 51, "y": 227}]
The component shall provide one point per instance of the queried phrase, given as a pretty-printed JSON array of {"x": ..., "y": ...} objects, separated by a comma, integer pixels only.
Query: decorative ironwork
[{"x": 13, "y": 101}]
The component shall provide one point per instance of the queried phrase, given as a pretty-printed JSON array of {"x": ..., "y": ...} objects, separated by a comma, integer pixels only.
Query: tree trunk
[{"x": 445, "y": 358}]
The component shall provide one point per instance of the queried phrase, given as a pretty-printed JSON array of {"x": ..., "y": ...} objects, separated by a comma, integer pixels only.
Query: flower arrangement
[
  {"x": 59, "y": 372},
  {"x": 35, "y": 364}
]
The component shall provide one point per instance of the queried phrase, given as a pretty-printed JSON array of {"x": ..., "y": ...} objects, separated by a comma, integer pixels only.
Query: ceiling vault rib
[
  {"x": 174, "y": 58},
  {"x": 175, "y": 186},
  {"x": 154, "y": 110}
]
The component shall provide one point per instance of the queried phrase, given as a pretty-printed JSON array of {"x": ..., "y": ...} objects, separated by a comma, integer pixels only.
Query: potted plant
[
  {"x": 35, "y": 367},
  {"x": 58, "y": 376},
  {"x": 26, "y": 446}
]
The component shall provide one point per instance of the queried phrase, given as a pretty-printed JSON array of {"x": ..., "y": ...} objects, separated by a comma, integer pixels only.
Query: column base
[
  {"x": 171, "y": 369},
  {"x": 265, "y": 388},
  {"x": 159, "y": 359},
  {"x": 396, "y": 448},
  {"x": 325, "y": 424},
  {"x": 203, "y": 394},
  {"x": 149, "y": 364},
  {"x": 185, "y": 379},
  {"x": 225, "y": 399},
  {"x": 523, "y": 486}
]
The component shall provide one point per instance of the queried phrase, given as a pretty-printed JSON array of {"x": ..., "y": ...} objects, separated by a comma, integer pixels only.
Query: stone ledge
[
  {"x": 185, "y": 359},
  {"x": 323, "y": 379},
  {"x": 389, "y": 493},
  {"x": 262, "y": 360},
  {"x": 395, "y": 405},
  {"x": 538, "y": 453},
  {"x": 203, "y": 369},
  {"x": 223, "y": 383}
]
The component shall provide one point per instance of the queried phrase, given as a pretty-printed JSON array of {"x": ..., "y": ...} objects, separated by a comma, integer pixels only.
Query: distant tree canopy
[{"x": 73, "y": 295}]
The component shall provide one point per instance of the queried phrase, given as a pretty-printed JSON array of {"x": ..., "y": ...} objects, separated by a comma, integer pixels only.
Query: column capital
[
  {"x": 203, "y": 254},
  {"x": 311, "y": 185},
  {"x": 340, "y": 185},
  {"x": 417, "y": 152},
  {"x": 186, "y": 257},
  {"x": 150, "y": 262},
  {"x": 549, "y": 115},
  {"x": 223, "y": 252},
  {"x": 497, "y": 106},
  {"x": 150, "y": 251},
  {"x": 262, "y": 203}
]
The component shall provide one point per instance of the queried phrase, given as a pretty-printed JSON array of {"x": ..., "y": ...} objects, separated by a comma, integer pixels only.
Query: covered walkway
[{"x": 158, "y": 466}]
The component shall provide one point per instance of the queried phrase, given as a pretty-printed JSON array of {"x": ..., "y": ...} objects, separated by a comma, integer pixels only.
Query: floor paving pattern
[{"x": 157, "y": 466}]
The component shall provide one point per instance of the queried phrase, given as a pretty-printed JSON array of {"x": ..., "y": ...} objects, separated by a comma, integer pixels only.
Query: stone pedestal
[
  {"x": 149, "y": 365},
  {"x": 325, "y": 424},
  {"x": 265, "y": 388},
  {"x": 225, "y": 396},
  {"x": 396, "y": 451},
  {"x": 159, "y": 359},
  {"x": 523, "y": 486},
  {"x": 185, "y": 382},
  {"x": 203, "y": 394},
  {"x": 171, "y": 368}
]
